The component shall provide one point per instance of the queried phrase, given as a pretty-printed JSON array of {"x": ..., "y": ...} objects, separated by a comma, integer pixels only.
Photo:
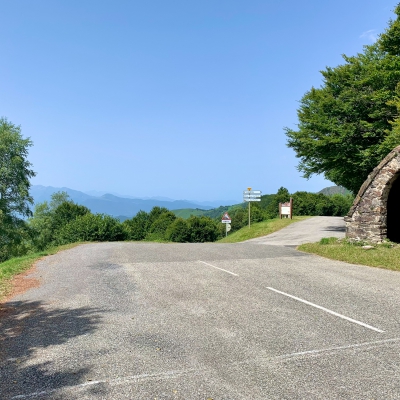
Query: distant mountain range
[
  {"x": 107, "y": 203},
  {"x": 124, "y": 206}
]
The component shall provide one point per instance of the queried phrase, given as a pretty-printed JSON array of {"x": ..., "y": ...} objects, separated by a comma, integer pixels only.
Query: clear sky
[{"x": 179, "y": 98}]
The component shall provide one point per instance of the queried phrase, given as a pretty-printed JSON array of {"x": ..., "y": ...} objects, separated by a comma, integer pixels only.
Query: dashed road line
[{"x": 221, "y": 269}]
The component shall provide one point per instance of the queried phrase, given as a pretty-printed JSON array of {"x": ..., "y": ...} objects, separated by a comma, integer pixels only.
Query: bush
[
  {"x": 91, "y": 227},
  {"x": 203, "y": 229},
  {"x": 49, "y": 218},
  {"x": 157, "y": 230},
  {"x": 178, "y": 231},
  {"x": 136, "y": 228}
]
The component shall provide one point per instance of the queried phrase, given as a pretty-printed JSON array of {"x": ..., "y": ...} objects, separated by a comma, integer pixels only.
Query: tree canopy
[
  {"x": 15, "y": 172},
  {"x": 346, "y": 126}
]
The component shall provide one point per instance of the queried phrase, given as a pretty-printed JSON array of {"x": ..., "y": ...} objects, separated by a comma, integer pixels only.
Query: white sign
[
  {"x": 251, "y": 191},
  {"x": 228, "y": 227},
  {"x": 285, "y": 210},
  {"x": 226, "y": 219}
]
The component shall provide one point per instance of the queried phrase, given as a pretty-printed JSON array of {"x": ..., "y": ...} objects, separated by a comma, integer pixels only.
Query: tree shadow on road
[
  {"x": 26, "y": 329},
  {"x": 335, "y": 228}
]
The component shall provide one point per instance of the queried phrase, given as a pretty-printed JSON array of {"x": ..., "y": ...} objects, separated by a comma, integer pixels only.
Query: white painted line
[
  {"x": 328, "y": 311},
  {"x": 366, "y": 345},
  {"x": 114, "y": 382},
  {"x": 179, "y": 373},
  {"x": 221, "y": 269}
]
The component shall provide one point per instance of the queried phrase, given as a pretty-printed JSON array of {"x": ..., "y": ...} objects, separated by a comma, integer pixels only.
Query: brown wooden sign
[{"x": 286, "y": 209}]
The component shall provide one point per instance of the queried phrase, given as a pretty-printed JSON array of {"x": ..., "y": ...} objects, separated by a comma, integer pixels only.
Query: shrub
[
  {"x": 136, "y": 228},
  {"x": 91, "y": 227},
  {"x": 203, "y": 229},
  {"x": 157, "y": 230},
  {"x": 178, "y": 231}
]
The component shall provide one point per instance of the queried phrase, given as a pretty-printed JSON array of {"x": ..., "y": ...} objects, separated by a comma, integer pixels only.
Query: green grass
[
  {"x": 15, "y": 266},
  {"x": 260, "y": 229},
  {"x": 385, "y": 255}
]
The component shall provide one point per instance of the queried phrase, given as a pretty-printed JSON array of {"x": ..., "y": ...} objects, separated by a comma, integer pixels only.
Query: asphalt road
[
  {"x": 308, "y": 231},
  {"x": 202, "y": 321}
]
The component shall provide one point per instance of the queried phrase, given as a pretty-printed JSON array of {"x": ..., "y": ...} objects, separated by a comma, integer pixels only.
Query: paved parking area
[{"x": 202, "y": 321}]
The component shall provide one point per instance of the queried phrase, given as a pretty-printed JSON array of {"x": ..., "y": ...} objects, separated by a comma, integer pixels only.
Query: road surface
[
  {"x": 201, "y": 321},
  {"x": 308, "y": 231}
]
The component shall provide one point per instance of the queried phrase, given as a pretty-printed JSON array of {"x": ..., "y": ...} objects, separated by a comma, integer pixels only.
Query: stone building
[{"x": 375, "y": 214}]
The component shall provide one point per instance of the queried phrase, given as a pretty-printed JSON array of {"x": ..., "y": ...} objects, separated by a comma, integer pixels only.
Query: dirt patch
[{"x": 20, "y": 284}]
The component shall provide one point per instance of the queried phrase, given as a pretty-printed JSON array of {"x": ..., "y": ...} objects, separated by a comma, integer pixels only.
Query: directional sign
[
  {"x": 252, "y": 192},
  {"x": 251, "y": 195}
]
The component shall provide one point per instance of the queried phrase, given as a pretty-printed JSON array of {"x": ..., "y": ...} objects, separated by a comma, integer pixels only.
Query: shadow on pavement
[
  {"x": 26, "y": 328},
  {"x": 335, "y": 229}
]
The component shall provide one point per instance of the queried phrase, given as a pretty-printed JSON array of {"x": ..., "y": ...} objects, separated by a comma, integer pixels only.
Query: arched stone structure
[{"x": 375, "y": 214}]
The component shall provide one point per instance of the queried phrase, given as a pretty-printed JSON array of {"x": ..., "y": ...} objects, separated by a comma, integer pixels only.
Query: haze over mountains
[{"x": 111, "y": 204}]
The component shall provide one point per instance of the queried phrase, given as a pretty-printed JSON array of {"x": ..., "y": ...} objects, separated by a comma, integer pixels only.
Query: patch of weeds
[
  {"x": 387, "y": 244},
  {"x": 330, "y": 240}
]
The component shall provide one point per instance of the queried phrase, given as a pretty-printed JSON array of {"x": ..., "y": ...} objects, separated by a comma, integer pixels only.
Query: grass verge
[
  {"x": 385, "y": 255},
  {"x": 259, "y": 229},
  {"x": 17, "y": 265}
]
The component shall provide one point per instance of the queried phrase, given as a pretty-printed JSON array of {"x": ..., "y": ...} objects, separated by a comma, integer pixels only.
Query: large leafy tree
[
  {"x": 49, "y": 218},
  {"x": 15, "y": 200},
  {"x": 15, "y": 170},
  {"x": 345, "y": 126}
]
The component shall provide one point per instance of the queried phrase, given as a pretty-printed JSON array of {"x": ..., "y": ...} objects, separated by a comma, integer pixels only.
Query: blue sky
[{"x": 183, "y": 99}]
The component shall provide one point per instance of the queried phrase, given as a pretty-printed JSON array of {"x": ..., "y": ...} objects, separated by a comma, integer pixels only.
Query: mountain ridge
[{"x": 112, "y": 204}]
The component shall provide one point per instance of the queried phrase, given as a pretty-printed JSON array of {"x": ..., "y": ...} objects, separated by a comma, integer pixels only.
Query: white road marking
[
  {"x": 327, "y": 310},
  {"x": 178, "y": 373},
  {"x": 221, "y": 269},
  {"x": 368, "y": 345},
  {"x": 115, "y": 381}
]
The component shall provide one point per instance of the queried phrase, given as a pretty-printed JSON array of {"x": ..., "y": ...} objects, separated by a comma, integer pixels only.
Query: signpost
[
  {"x": 226, "y": 219},
  {"x": 251, "y": 195},
  {"x": 286, "y": 209}
]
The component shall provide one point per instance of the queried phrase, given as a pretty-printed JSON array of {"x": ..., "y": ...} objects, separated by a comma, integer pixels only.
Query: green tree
[
  {"x": 341, "y": 204},
  {"x": 239, "y": 218},
  {"x": 344, "y": 125},
  {"x": 15, "y": 200},
  {"x": 281, "y": 196},
  {"x": 178, "y": 231},
  {"x": 49, "y": 218},
  {"x": 136, "y": 228},
  {"x": 159, "y": 226},
  {"x": 389, "y": 41},
  {"x": 202, "y": 229},
  {"x": 67, "y": 212}
]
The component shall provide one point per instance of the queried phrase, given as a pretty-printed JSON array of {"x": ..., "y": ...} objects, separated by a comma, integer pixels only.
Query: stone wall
[{"x": 367, "y": 219}]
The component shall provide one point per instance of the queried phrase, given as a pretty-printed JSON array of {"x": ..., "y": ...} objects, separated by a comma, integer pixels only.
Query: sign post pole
[
  {"x": 226, "y": 219},
  {"x": 249, "y": 189},
  {"x": 251, "y": 195},
  {"x": 249, "y": 214}
]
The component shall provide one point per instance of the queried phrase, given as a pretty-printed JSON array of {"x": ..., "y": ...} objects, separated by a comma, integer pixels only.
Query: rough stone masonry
[{"x": 367, "y": 219}]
